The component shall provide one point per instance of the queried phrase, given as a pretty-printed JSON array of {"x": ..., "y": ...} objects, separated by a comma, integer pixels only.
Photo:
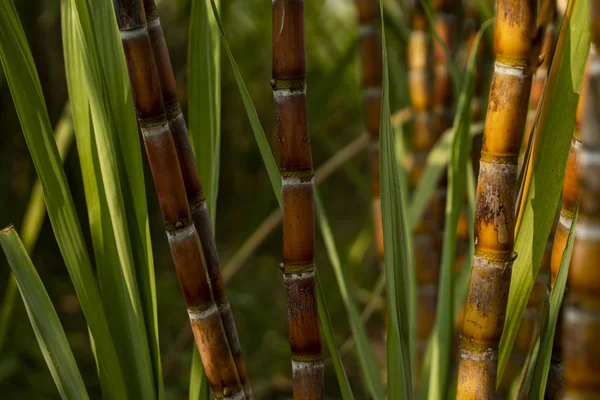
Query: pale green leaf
[
  {"x": 46, "y": 325},
  {"x": 396, "y": 250},
  {"x": 25, "y": 88}
]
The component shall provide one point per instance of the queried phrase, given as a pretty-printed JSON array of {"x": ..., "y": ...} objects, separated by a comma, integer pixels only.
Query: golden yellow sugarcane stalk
[{"x": 516, "y": 59}]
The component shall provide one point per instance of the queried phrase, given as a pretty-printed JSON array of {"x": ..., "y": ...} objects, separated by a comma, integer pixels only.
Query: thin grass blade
[
  {"x": 328, "y": 332},
  {"x": 554, "y": 130},
  {"x": 366, "y": 357},
  {"x": 539, "y": 378},
  {"x": 396, "y": 250},
  {"x": 204, "y": 98},
  {"x": 98, "y": 151},
  {"x": 25, "y": 88},
  {"x": 46, "y": 325}
]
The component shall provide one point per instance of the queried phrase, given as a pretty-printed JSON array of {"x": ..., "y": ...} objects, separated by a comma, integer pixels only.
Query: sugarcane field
[{"x": 300, "y": 199}]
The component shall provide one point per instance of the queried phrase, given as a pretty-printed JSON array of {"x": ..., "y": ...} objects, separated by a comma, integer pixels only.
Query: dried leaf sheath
[
  {"x": 370, "y": 58},
  {"x": 496, "y": 195},
  {"x": 426, "y": 238},
  {"x": 581, "y": 310},
  {"x": 289, "y": 91},
  {"x": 184, "y": 242},
  {"x": 193, "y": 186}
]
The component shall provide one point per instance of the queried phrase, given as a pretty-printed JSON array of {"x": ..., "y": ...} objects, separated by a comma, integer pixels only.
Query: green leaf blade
[{"x": 48, "y": 330}]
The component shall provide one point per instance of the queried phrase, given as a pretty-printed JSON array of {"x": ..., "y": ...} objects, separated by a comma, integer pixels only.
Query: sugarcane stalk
[
  {"x": 193, "y": 187},
  {"x": 516, "y": 42},
  {"x": 426, "y": 239},
  {"x": 581, "y": 310},
  {"x": 184, "y": 241},
  {"x": 298, "y": 267},
  {"x": 532, "y": 316}
]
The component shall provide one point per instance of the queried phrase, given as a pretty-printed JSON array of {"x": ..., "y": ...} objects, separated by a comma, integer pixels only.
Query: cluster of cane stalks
[{"x": 181, "y": 198}]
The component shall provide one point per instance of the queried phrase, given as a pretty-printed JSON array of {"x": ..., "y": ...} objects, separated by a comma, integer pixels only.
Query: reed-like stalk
[
  {"x": 426, "y": 239},
  {"x": 184, "y": 242},
  {"x": 370, "y": 59},
  {"x": 581, "y": 312},
  {"x": 298, "y": 267},
  {"x": 193, "y": 187},
  {"x": 516, "y": 59}
]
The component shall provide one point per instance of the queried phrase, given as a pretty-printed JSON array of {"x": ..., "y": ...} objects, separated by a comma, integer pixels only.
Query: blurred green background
[{"x": 245, "y": 196}]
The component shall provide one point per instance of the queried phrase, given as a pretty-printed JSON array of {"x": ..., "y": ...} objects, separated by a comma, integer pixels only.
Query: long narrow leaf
[
  {"x": 396, "y": 249},
  {"x": 554, "y": 131},
  {"x": 48, "y": 330},
  {"x": 98, "y": 150},
  {"x": 329, "y": 334},
  {"x": 364, "y": 351},
  {"x": 204, "y": 98},
  {"x": 542, "y": 365},
  {"x": 25, "y": 88}
]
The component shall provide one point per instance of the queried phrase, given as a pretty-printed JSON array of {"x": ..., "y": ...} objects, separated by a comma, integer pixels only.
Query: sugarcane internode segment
[{"x": 516, "y": 40}]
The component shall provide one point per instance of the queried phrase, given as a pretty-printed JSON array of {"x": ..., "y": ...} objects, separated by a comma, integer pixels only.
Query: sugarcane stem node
[
  {"x": 513, "y": 256},
  {"x": 273, "y": 84}
]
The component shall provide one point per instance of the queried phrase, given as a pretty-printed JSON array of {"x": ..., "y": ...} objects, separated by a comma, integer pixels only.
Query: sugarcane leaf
[
  {"x": 328, "y": 332},
  {"x": 539, "y": 378},
  {"x": 204, "y": 98},
  {"x": 33, "y": 219},
  {"x": 99, "y": 150},
  {"x": 396, "y": 249},
  {"x": 553, "y": 133},
  {"x": 199, "y": 387},
  {"x": 366, "y": 357},
  {"x": 26, "y": 91},
  {"x": 46, "y": 325},
  {"x": 457, "y": 184}
]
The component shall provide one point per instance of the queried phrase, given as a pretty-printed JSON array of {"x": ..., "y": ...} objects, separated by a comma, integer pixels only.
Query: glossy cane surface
[
  {"x": 184, "y": 242},
  {"x": 193, "y": 186},
  {"x": 289, "y": 90},
  {"x": 483, "y": 322}
]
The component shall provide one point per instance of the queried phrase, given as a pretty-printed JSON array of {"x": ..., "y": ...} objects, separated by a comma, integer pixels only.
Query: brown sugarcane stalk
[
  {"x": 516, "y": 57},
  {"x": 371, "y": 72},
  {"x": 426, "y": 237},
  {"x": 298, "y": 267},
  {"x": 184, "y": 242},
  {"x": 581, "y": 310},
  {"x": 193, "y": 187}
]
